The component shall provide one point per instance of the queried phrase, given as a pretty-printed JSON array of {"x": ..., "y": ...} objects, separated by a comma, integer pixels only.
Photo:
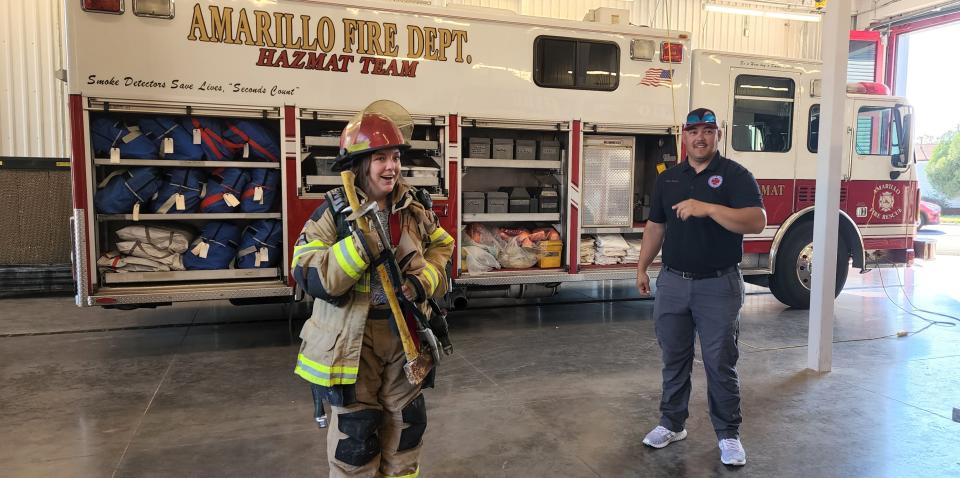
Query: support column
[{"x": 834, "y": 49}]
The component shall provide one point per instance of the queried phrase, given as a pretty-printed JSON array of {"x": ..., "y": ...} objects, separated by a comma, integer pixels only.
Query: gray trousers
[{"x": 710, "y": 308}]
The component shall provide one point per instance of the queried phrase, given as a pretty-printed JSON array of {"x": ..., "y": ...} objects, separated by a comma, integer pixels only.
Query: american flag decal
[{"x": 657, "y": 77}]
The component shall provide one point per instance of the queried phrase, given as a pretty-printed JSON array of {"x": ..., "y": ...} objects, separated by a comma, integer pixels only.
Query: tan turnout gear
[
  {"x": 389, "y": 413},
  {"x": 347, "y": 345}
]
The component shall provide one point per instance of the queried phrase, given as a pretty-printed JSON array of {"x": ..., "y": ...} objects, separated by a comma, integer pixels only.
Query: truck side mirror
[{"x": 901, "y": 159}]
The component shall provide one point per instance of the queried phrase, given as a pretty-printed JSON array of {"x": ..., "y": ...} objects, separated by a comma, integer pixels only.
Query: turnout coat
[{"x": 331, "y": 264}]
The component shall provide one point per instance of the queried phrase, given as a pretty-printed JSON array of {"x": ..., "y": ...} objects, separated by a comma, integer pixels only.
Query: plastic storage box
[
  {"x": 502, "y": 148},
  {"x": 549, "y": 201},
  {"x": 550, "y": 254},
  {"x": 474, "y": 202},
  {"x": 550, "y": 150},
  {"x": 497, "y": 202},
  {"x": 526, "y": 149},
  {"x": 479, "y": 148}
]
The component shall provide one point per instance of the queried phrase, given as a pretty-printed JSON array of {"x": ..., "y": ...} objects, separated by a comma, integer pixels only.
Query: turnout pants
[
  {"x": 711, "y": 308},
  {"x": 380, "y": 434}
]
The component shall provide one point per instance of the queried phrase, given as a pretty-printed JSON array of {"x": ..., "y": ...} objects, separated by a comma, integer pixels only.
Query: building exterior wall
[{"x": 32, "y": 101}]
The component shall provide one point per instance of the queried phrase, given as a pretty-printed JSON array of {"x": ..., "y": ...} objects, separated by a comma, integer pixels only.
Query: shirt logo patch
[{"x": 715, "y": 181}]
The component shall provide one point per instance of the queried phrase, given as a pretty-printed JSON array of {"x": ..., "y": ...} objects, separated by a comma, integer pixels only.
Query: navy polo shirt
[{"x": 698, "y": 244}]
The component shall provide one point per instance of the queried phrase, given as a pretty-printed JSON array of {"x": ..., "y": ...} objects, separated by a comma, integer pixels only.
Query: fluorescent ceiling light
[
  {"x": 800, "y": 17},
  {"x": 711, "y": 7},
  {"x": 752, "y": 12}
]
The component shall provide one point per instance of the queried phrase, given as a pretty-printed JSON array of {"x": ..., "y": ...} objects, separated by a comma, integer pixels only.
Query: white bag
[
  {"x": 478, "y": 259},
  {"x": 167, "y": 239},
  {"x": 115, "y": 262},
  {"x": 149, "y": 251}
]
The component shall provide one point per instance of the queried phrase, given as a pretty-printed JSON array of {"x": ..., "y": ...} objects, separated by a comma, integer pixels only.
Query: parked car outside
[{"x": 929, "y": 214}]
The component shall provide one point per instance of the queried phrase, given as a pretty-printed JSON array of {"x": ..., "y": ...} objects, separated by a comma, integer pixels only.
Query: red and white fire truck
[{"x": 583, "y": 115}]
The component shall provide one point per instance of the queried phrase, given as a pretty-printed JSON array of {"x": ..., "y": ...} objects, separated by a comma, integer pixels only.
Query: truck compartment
[
  {"x": 513, "y": 183},
  {"x": 421, "y": 165},
  {"x": 170, "y": 172},
  {"x": 620, "y": 171}
]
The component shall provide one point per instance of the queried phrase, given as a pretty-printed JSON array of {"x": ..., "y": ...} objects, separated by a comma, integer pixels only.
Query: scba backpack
[
  {"x": 260, "y": 245},
  {"x": 180, "y": 191},
  {"x": 224, "y": 190},
  {"x": 261, "y": 191},
  {"x": 209, "y": 133},
  {"x": 130, "y": 143},
  {"x": 125, "y": 191},
  {"x": 172, "y": 138},
  {"x": 256, "y": 142},
  {"x": 215, "y": 248}
]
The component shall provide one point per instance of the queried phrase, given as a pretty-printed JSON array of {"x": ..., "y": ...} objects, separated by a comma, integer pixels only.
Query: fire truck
[{"x": 520, "y": 122}]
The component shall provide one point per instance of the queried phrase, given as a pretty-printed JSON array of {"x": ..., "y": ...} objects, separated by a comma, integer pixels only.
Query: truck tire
[{"x": 790, "y": 283}]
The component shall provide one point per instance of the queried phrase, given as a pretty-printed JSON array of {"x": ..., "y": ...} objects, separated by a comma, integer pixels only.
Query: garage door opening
[{"x": 929, "y": 83}]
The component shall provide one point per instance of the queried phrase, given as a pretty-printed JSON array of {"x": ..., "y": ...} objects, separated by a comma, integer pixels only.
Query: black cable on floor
[{"x": 930, "y": 322}]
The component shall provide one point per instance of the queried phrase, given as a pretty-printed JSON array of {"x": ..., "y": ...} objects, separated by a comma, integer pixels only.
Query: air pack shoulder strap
[{"x": 337, "y": 198}]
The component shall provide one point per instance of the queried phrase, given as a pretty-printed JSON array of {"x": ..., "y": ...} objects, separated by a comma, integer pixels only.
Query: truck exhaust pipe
[
  {"x": 458, "y": 299},
  {"x": 461, "y": 297}
]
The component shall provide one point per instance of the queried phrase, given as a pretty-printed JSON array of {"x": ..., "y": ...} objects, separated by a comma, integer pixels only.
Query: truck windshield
[{"x": 878, "y": 134}]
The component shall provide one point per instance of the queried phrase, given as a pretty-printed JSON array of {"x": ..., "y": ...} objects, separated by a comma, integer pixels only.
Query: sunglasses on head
[{"x": 708, "y": 117}]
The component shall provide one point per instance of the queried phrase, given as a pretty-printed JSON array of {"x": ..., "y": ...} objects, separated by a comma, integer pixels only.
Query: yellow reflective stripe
[
  {"x": 326, "y": 381},
  {"x": 354, "y": 254},
  {"x": 430, "y": 272},
  {"x": 358, "y": 146},
  {"x": 315, "y": 372},
  {"x": 348, "y": 259},
  {"x": 415, "y": 474},
  {"x": 441, "y": 236},
  {"x": 324, "y": 368},
  {"x": 312, "y": 244},
  {"x": 305, "y": 248}
]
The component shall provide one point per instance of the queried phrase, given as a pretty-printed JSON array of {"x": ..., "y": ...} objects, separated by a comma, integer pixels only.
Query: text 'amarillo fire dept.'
[{"x": 287, "y": 41}]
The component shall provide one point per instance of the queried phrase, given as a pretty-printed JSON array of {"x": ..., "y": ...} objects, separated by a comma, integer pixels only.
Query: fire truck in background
[
  {"x": 520, "y": 122},
  {"x": 771, "y": 112}
]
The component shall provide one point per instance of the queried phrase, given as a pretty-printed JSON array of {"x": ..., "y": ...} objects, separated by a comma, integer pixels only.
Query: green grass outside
[{"x": 949, "y": 219}]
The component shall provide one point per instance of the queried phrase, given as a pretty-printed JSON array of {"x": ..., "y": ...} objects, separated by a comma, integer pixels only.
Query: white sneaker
[
  {"x": 660, "y": 437},
  {"x": 732, "y": 453}
]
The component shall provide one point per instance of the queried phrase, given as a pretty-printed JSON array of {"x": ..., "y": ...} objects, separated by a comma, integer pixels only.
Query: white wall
[{"x": 32, "y": 102}]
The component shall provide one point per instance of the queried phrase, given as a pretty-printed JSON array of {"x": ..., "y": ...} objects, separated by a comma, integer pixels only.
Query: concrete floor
[{"x": 550, "y": 390}]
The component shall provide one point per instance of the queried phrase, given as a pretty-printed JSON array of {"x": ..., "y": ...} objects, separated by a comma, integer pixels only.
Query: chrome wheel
[{"x": 805, "y": 265}]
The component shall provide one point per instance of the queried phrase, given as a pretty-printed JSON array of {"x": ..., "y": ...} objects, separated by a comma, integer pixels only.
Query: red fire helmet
[{"x": 379, "y": 126}]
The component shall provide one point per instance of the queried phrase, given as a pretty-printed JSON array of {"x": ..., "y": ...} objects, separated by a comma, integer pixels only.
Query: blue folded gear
[
  {"x": 189, "y": 183},
  {"x": 126, "y": 190},
  {"x": 162, "y": 128},
  {"x": 215, "y": 248},
  {"x": 260, "y": 143},
  {"x": 224, "y": 189},
  {"x": 108, "y": 133},
  {"x": 260, "y": 245},
  {"x": 260, "y": 193}
]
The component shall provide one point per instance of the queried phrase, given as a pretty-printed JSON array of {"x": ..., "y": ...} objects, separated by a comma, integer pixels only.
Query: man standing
[{"x": 701, "y": 210}]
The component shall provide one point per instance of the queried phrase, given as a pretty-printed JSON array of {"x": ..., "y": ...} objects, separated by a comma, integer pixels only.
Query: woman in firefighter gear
[{"x": 351, "y": 352}]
